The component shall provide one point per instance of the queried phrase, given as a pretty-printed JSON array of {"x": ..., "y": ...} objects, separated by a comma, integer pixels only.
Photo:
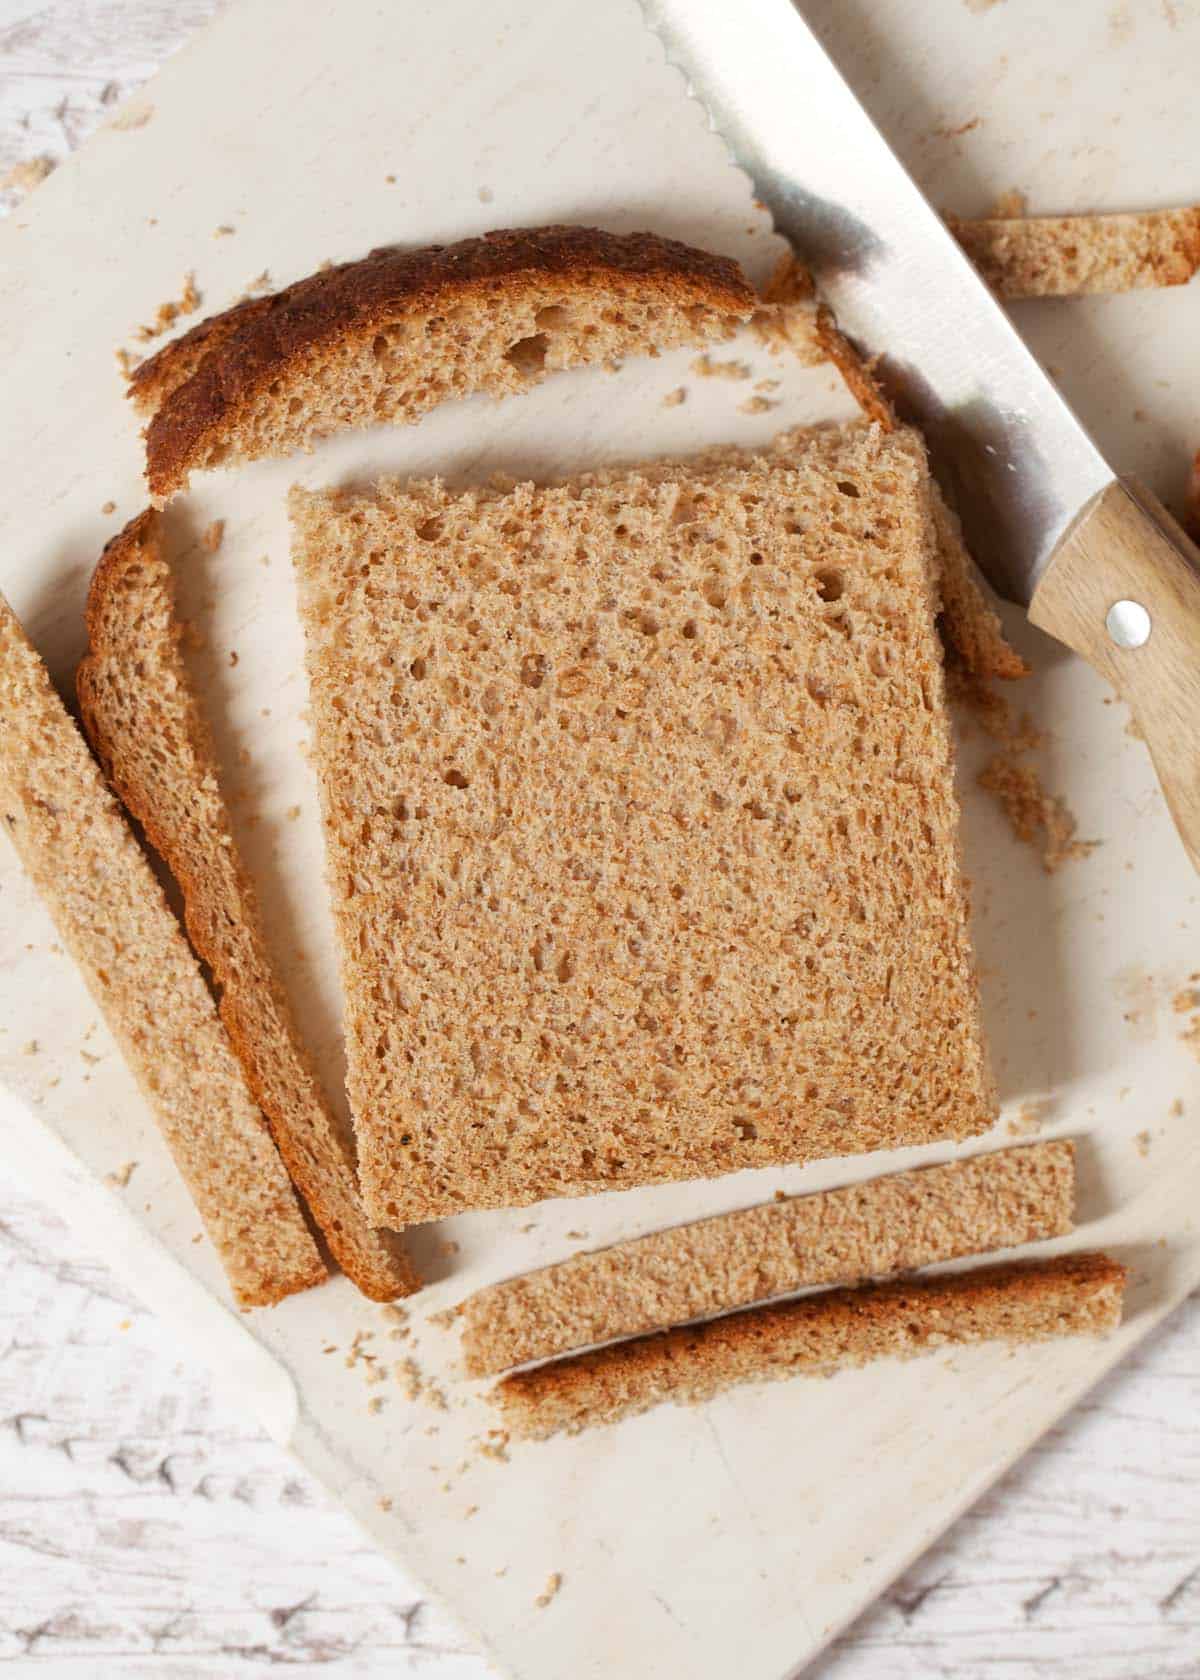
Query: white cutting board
[{"x": 741, "y": 1535}]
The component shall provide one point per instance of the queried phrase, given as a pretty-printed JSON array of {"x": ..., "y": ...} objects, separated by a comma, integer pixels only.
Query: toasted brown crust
[
  {"x": 251, "y": 1003},
  {"x": 232, "y": 358},
  {"x": 860, "y": 381},
  {"x": 1069, "y": 1295}
]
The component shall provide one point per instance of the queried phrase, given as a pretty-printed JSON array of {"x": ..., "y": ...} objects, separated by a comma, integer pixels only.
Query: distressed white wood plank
[{"x": 147, "y": 1528}]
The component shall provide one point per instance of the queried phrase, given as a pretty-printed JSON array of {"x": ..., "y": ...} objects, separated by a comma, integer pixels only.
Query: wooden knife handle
[{"x": 1123, "y": 590}]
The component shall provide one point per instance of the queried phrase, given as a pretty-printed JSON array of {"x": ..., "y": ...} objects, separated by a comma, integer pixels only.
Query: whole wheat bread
[
  {"x": 1063, "y": 256},
  {"x": 869, "y": 1230},
  {"x": 147, "y": 728},
  {"x": 112, "y": 917},
  {"x": 390, "y": 337},
  {"x": 1072, "y": 1295},
  {"x": 640, "y": 823}
]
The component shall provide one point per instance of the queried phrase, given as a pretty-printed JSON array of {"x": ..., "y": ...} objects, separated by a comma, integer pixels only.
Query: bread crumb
[
  {"x": 576, "y": 1236},
  {"x": 767, "y": 385},
  {"x": 30, "y": 1047},
  {"x": 756, "y": 405},
  {"x": 87, "y": 1056},
  {"x": 127, "y": 362},
  {"x": 408, "y": 1374},
  {"x": 1190, "y": 1037},
  {"x": 1185, "y": 1000},
  {"x": 1038, "y": 818},
  {"x": 293, "y": 813},
  {"x": 1029, "y": 1117},
  {"x": 495, "y": 1445},
  {"x": 233, "y": 659},
  {"x": 393, "y": 1313},
  {"x": 1143, "y": 1141},
  {"x": 120, "y": 1178},
  {"x": 168, "y": 313},
  {"x": 134, "y": 116},
  {"x": 471, "y": 1511},
  {"x": 260, "y": 283},
  {"x": 223, "y": 231},
  {"x": 448, "y": 1248},
  {"x": 375, "y": 1373},
  {"x": 375, "y": 1405},
  {"x": 23, "y": 177},
  {"x": 675, "y": 397},
  {"x": 550, "y": 1591},
  {"x": 212, "y": 535},
  {"x": 705, "y": 368},
  {"x": 444, "y": 1319},
  {"x": 1009, "y": 205},
  {"x": 400, "y": 1334},
  {"x": 385, "y": 1503},
  {"x": 109, "y": 507},
  {"x": 1176, "y": 1108}
]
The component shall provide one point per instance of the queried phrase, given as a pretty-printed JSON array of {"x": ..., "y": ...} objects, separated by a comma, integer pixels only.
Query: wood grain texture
[
  {"x": 1127, "y": 547},
  {"x": 147, "y": 1529}
]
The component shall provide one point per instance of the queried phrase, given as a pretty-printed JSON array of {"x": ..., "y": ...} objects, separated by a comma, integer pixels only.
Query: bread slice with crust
[
  {"x": 111, "y": 915},
  {"x": 1072, "y": 1295},
  {"x": 1066, "y": 256},
  {"x": 870, "y": 1230},
  {"x": 640, "y": 822},
  {"x": 147, "y": 728},
  {"x": 392, "y": 336}
]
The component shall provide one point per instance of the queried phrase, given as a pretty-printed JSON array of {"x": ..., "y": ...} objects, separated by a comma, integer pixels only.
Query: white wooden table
[{"x": 146, "y": 1528}]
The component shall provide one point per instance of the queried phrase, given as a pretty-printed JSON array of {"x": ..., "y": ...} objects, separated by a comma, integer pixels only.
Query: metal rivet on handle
[{"x": 1128, "y": 623}]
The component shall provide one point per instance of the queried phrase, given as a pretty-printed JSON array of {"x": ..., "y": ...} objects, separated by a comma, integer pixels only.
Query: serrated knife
[{"x": 1094, "y": 558}]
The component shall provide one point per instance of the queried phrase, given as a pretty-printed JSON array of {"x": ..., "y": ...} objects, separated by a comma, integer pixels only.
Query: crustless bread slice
[
  {"x": 112, "y": 917},
  {"x": 390, "y": 337},
  {"x": 1062, "y": 256},
  {"x": 1072, "y": 1295},
  {"x": 640, "y": 823},
  {"x": 869, "y": 1230},
  {"x": 147, "y": 728}
]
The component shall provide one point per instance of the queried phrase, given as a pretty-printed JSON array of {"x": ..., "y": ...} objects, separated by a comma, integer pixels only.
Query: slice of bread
[
  {"x": 111, "y": 915},
  {"x": 868, "y": 1230},
  {"x": 390, "y": 337},
  {"x": 640, "y": 823},
  {"x": 147, "y": 728},
  {"x": 1072, "y": 1295},
  {"x": 1063, "y": 256}
]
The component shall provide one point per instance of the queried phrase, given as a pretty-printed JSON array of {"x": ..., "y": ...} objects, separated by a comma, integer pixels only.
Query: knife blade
[
  {"x": 1095, "y": 559},
  {"x": 1015, "y": 459}
]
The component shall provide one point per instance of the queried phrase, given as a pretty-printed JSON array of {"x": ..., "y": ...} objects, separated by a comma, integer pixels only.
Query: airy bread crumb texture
[
  {"x": 640, "y": 822},
  {"x": 147, "y": 727},
  {"x": 1064, "y": 256},
  {"x": 111, "y": 915},
  {"x": 868, "y": 1230},
  {"x": 390, "y": 337},
  {"x": 1071, "y": 1295}
]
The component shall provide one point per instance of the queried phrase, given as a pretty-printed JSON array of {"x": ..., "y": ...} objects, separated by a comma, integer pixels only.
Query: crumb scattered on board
[
  {"x": 169, "y": 312},
  {"x": 704, "y": 367},
  {"x": 127, "y": 362},
  {"x": 109, "y": 507},
  {"x": 550, "y": 1591},
  {"x": 1029, "y": 1117},
  {"x": 23, "y": 177},
  {"x": 223, "y": 231},
  {"x": 212, "y": 535},
  {"x": 1176, "y": 1109},
  {"x": 675, "y": 397},
  {"x": 260, "y": 283},
  {"x": 1143, "y": 1141},
  {"x": 756, "y": 405},
  {"x": 1039, "y": 819},
  {"x": 120, "y": 1178}
]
